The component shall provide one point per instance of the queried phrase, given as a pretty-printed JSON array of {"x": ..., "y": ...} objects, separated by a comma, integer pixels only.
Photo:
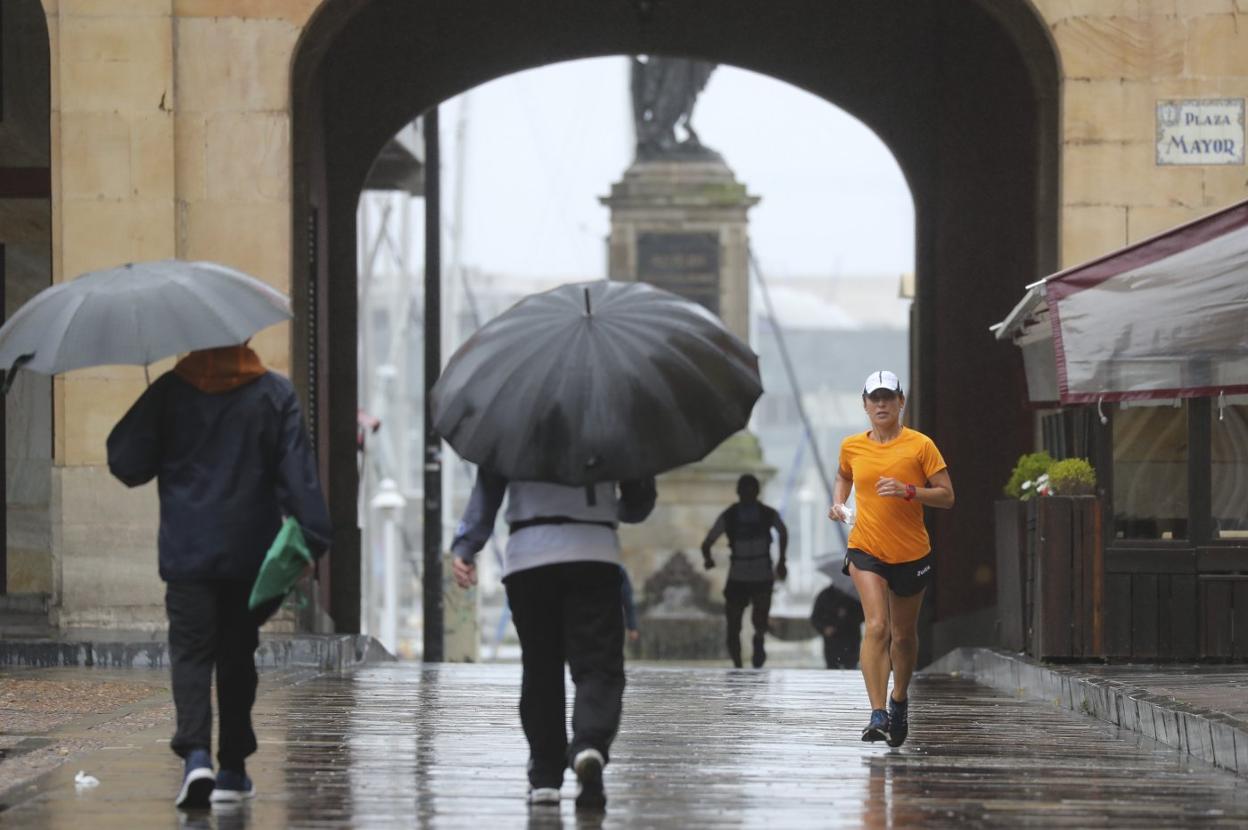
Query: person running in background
[
  {"x": 894, "y": 472},
  {"x": 225, "y": 441},
  {"x": 563, "y": 580},
  {"x": 838, "y": 618},
  {"x": 748, "y": 524}
]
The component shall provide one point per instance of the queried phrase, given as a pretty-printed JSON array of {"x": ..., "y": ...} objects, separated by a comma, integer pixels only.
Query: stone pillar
[{"x": 681, "y": 224}]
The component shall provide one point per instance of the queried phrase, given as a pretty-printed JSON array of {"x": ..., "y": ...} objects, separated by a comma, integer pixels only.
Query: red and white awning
[{"x": 1163, "y": 318}]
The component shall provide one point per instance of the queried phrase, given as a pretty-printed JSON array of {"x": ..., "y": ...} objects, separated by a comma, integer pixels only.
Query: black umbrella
[{"x": 595, "y": 381}]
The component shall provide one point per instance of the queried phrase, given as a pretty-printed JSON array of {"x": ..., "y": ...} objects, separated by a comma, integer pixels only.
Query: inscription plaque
[{"x": 687, "y": 264}]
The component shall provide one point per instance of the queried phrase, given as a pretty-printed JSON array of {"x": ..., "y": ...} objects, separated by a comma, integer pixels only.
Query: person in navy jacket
[{"x": 226, "y": 443}]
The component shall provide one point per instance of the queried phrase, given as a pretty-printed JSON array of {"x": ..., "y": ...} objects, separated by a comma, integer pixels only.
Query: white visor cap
[{"x": 883, "y": 379}]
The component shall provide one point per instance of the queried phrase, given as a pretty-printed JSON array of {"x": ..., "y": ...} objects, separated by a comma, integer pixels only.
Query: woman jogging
[{"x": 895, "y": 471}]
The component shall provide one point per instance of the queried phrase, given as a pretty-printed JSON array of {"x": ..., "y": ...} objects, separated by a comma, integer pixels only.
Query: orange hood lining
[{"x": 220, "y": 370}]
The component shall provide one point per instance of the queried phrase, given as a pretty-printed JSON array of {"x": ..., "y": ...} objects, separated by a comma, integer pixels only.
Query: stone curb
[
  {"x": 327, "y": 652},
  {"x": 1211, "y": 736}
]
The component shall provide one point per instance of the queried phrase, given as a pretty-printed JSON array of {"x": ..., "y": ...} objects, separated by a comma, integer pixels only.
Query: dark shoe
[
  {"x": 760, "y": 655},
  {"x": 877, "y": 728},
  {"x": 197, "y": 781},
  {"x": 588, "y": 768},
  {"x": 232, "y": 786},
  {"x": 898, "y": 721}
]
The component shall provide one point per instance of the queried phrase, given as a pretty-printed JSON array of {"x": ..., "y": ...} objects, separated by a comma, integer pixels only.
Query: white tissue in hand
[{"x": 84, "y": 781}]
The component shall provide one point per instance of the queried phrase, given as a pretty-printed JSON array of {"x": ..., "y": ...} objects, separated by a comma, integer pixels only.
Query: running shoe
[
  {"x": 898, "y": 721},
  {"x": 588, "y": 768},
  {"x": 877, "y": 727}
]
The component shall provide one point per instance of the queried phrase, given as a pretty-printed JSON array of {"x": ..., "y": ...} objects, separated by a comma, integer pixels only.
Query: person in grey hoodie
[{"x": 562, "y": 576}]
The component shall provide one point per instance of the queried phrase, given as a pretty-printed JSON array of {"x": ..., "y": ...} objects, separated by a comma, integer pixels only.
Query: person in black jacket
[
  {"x": 748, "y": 524},
  {"x": 225, "y": 441},
  {"x": 838, "y": 618}
]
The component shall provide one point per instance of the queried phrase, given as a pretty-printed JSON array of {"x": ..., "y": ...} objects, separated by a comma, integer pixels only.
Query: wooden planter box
[
  {"x": 1010, "y": 528},
  {"x": 1050, "y": 577}
]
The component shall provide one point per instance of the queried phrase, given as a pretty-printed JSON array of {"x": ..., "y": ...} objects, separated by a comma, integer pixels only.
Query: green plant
[
  {"x": 1072, "y": 477},
  {"x": 1030, "y": 467}
]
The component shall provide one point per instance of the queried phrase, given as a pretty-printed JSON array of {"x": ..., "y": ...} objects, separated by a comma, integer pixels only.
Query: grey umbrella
[
  {"x": 136, "y": 314},
  {"x": 593, "y": 382},
  {"x": 830, "y": 566}
]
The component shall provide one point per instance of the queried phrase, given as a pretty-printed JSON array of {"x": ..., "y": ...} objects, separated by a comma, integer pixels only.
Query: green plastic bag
[{"x": 284, "y": 563}]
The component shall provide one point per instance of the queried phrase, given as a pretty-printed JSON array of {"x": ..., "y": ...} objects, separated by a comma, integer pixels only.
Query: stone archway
[
  {"x": 964, "y": 93},
  {"x": 26, "y": 564}
]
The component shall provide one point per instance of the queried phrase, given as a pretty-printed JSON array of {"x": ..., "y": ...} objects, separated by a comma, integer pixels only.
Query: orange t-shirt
[{"x": 889, "y": 528}]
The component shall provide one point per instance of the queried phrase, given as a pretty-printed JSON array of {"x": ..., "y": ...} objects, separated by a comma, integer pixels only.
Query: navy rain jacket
[{"x": 228, "y": 465}]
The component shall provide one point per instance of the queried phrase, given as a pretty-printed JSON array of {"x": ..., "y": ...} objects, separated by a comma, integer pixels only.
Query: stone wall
[
  {"x": 170, "y": 137},
  {"x": 1119, "y": 57}
]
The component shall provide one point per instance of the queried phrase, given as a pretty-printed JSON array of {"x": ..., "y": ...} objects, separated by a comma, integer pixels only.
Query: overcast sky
[{"x": 543, "y": 145}]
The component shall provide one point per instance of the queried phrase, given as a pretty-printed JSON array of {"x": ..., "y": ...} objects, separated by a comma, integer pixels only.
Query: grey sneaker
[
  {"x": 543, "y": 795},
  {"x": 588, "y": 765}
]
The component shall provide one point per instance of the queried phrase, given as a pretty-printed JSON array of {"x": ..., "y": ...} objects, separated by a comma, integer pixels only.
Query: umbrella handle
[{"x": 11, "y": 375}]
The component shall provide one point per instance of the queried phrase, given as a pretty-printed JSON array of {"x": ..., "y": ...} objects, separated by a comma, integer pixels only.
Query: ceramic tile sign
[{"x": 1200, "y": 131}]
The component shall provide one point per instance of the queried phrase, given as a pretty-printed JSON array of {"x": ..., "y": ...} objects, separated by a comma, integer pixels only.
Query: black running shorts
[{"x": 904, "y": 580}]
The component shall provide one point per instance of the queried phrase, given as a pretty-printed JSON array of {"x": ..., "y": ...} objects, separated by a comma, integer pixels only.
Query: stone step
[
  {"x": 23, "y": 604},
  {"x": 24, "y": 616}
]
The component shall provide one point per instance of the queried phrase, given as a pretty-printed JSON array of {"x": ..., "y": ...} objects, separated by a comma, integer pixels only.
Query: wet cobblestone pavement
[{"x": 406, "y": 745}]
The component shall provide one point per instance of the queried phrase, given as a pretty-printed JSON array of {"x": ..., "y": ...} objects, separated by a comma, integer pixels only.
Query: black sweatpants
[
  {"x": 210, "y": 627},
  {"x": 757, "y": 595},
  {"x": 568, "y": 612}
]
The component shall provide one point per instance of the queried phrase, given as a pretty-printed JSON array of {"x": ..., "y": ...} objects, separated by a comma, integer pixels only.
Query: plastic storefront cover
[{"x": 1164, "y": 318}]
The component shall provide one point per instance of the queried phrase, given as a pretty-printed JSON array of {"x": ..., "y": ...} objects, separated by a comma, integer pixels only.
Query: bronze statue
[{"x": 664, "y": 91}]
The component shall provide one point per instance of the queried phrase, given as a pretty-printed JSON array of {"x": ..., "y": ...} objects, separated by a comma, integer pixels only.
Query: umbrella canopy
[
  {"x": 595, "y": 381},
  {"x": 831, "y": 568},
  {"x": 138, "y": 313}
]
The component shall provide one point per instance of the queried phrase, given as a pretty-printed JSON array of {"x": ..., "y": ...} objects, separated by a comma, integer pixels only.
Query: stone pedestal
[{"x": 681, "y": 224}]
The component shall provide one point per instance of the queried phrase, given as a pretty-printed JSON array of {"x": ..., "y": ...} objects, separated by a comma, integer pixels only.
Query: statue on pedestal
[{"x": 664, "y": 91}]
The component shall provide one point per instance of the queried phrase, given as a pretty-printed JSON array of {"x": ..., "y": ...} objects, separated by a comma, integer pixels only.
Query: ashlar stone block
[
  {"x": 1225, "y": 185},
  {"x": 111, "y": 8},
  {"x": 1120, "y": 47},
  {"x": 92, "y": 407},
  {"x": 1090, "y": 231},
  {"x": 297, "y": 12},
  {"x": 95, "y": 155},
  {"x": 247, "y": 157},
  {"x": 253, "y": 237},
  {"x": 233, "y": 65},
  {"x": 1145, "y": 221},
  {"x": 1217, "y": 45},
  {"x": 1056, "y": 10},
  {"x": 1125, "y": 174},
  {"x": 101, "y": 234}
]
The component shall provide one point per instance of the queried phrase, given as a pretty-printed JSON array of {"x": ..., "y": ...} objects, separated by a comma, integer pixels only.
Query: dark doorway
[
  {"x": 964, "y": 93},
  {"x": 25, "y": 268}
]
